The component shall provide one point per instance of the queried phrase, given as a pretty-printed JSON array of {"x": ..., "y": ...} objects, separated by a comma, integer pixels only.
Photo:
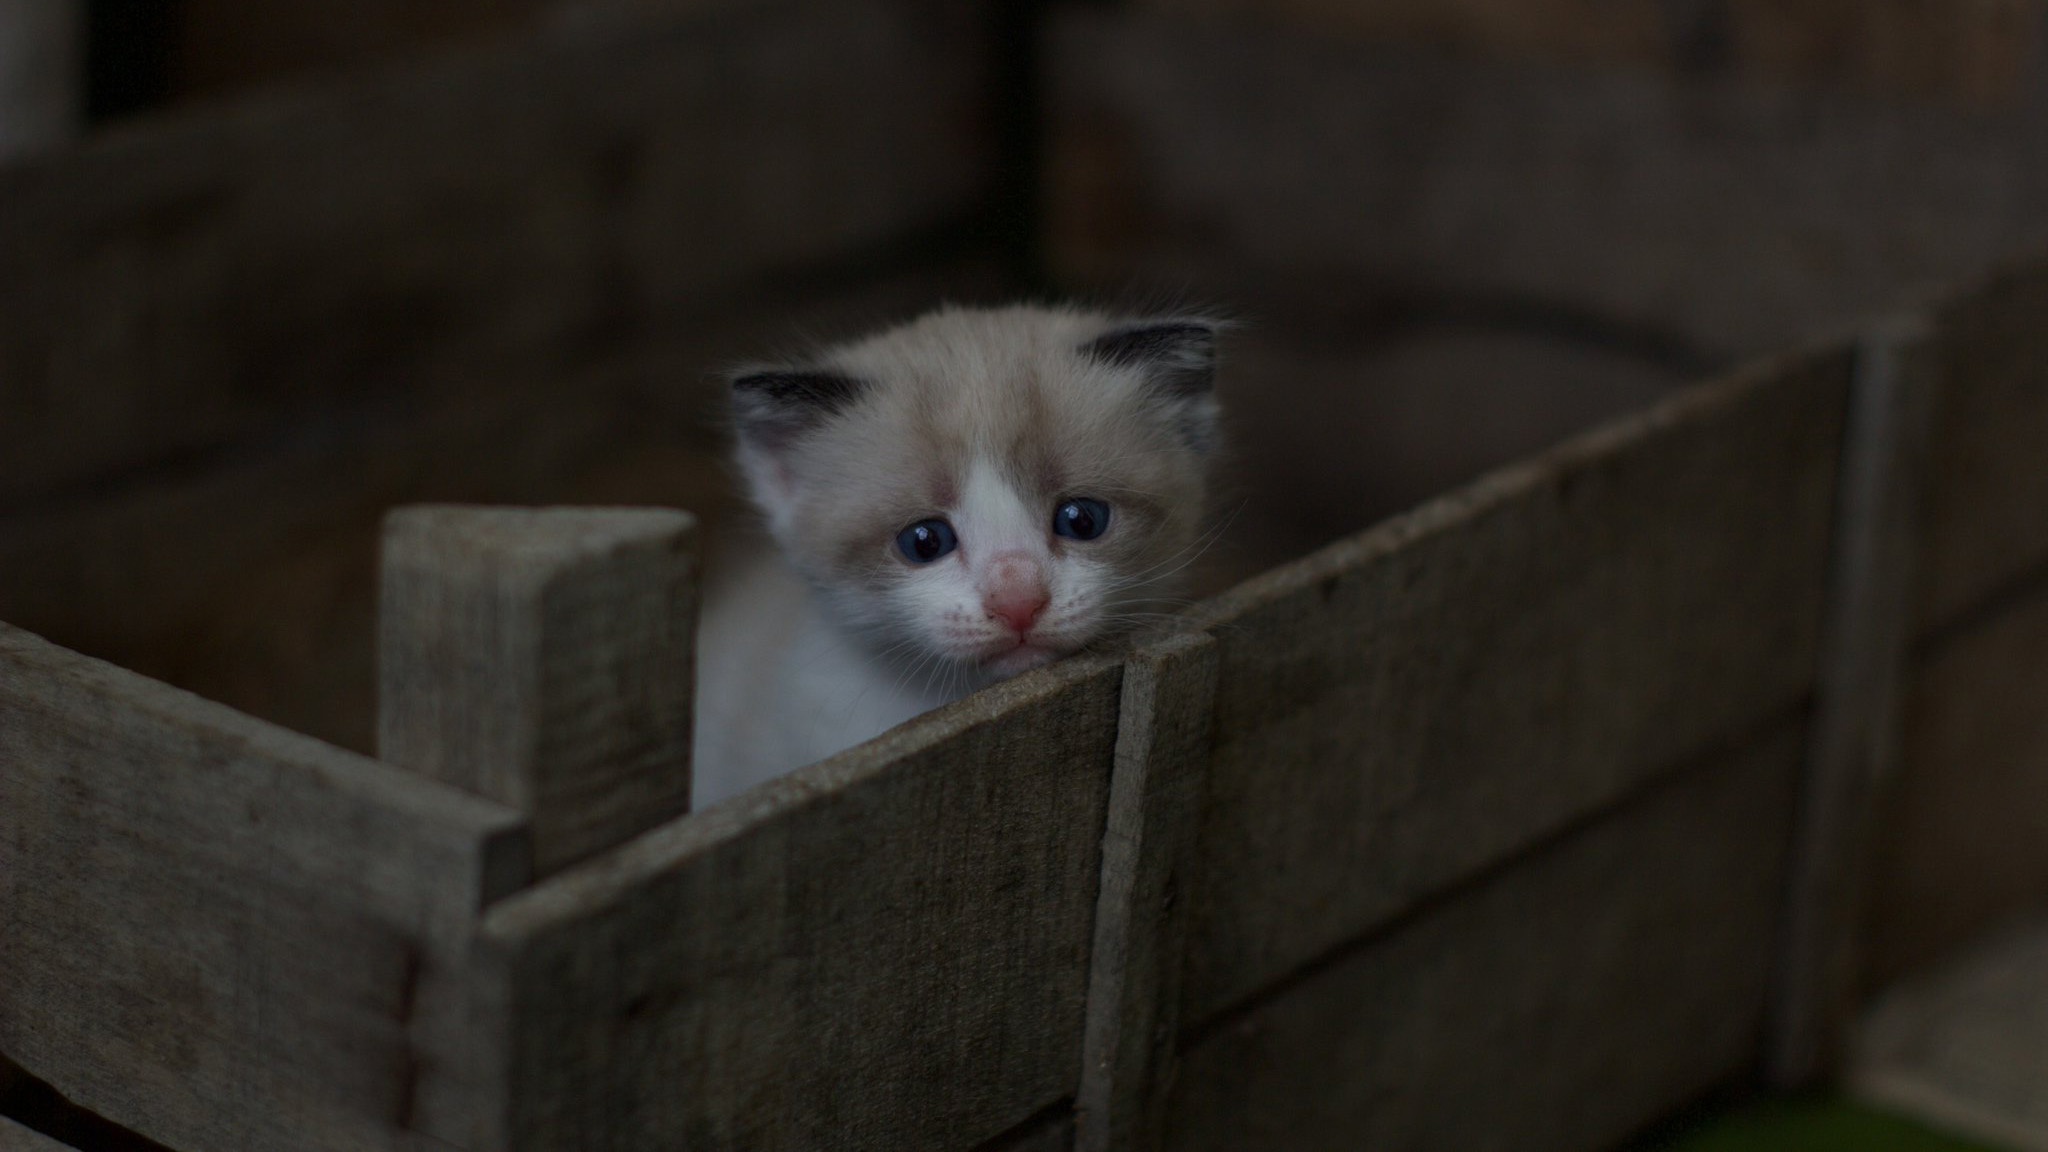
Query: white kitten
[{"x": 956, "y": 500}]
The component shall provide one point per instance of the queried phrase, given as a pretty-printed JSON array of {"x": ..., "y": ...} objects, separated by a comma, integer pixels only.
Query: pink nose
[
  {"x": 1013, "y": 590},
  {"x": 1018, "y": 609}
]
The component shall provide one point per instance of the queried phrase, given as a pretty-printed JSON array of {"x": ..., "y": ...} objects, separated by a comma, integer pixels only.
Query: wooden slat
[
  {"x": 1155, "y": 799},
  {"x": 542, "y": 658},
  {"x": 1853, "y": 741},
  {"x": 885, "y": 950},
  {"x": 1575, "y": 996},
  {"x": 1965, "y": 843},
  {"x": 1735, "y": 216},
  {"x": 1978, "y": 50},
  {"x": 222, "y": 934},
  {"x": 465, "y": 226},
  {"x": 1405, "y": 707},
  {"x": 1987, "y": 498}
]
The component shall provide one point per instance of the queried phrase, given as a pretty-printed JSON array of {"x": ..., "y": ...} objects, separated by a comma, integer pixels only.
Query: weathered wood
[
  {"x": 542, "y": 658},
  {"x": 1562, "y": 1003},
  {"x": 1965, "y": 1046},
  {"x": 1987, "y": 500},
  {"x": 1735, "y": 216},
  {"x": 464, "y": 226},
  {"x": 1965, "y": 842},
  {"x": 1978, "y": 50},
  {"x": 1853, "y": 739},
  {"x": 888, "y": 949},
  {"x": 1407, "y": 706},
  {"x": 1155, "y": 796},
  {"x": 15, "y": 1138},
  {"x": 221, "y": 934}
]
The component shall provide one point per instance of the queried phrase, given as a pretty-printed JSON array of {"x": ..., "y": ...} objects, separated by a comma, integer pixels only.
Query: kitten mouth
[{"x": 1023, "y": 655}]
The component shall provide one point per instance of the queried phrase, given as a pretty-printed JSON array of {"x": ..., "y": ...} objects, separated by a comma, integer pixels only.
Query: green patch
[{"x": 1811, "y": 1125}]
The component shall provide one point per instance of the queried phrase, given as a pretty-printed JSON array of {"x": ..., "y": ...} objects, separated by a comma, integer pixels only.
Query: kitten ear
[
  {"x": 772, "y": 408},
  {"x": 1178, "y": 355}
]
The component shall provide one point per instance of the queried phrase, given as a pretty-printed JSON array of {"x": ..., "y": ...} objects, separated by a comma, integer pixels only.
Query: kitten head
[{"x": 987, "y": 488}]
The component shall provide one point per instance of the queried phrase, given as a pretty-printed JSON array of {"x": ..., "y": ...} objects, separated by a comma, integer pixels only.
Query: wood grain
[
  {"x": 1572, "y": 997},
  {"x": 221, "y": 934},
  {"x": 888, "y": 949},
  {"x": 1407, "y": 706},
  {"x": 1155, "y": 804},
  {"x": 542, "y": 658}
]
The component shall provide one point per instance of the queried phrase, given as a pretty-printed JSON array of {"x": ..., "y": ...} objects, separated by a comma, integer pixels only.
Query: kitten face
[{"x": 987, "y": 490}]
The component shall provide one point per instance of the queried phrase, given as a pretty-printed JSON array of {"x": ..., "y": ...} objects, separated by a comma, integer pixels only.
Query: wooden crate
[{"x": 1515, "y": 821}]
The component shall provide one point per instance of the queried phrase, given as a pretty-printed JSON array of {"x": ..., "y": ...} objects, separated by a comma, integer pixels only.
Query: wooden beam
[
  {"x": 1162, "y": 762},
  {"x": 218, "y": 933},
  {"x": 543, "y": 658},
  {"x": 1853, "y": 741}
]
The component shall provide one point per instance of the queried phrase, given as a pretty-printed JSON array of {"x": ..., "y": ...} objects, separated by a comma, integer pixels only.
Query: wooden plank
[
  {"x": 887, "y": 949},
  {"x": 1155, "y": 798},
  {"x": 1987, "y": 499},
  {"x": 222, "y": 934},
  {"x": 1965, "y": 1047},
  {"x": 466, "y": 226},
  {"x": 543, "y": 658},
  {"x": 1563, "y": 1003},
  {"x": 1965, "y": 842},
  {"x": 1735, "y": 217},
  {"x": 1405, "y": 707},
  {"x": 15, "y": 1138},
  {"x": 1977, "y": 50},
  {"x": 1853, "y": 740}
]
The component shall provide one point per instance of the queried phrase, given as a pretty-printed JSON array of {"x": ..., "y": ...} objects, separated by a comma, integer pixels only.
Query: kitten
[{"x": 956, "y": 500}]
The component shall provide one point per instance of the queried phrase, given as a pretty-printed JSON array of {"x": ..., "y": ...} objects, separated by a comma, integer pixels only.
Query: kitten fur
[{"x": 987, "y": 419}]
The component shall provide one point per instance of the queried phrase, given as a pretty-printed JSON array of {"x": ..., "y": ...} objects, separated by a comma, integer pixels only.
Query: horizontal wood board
[
  {"x": 1566, "y": 1001},
  {"x": 196, "y": 282},
  {"x": 221, "y": 934},
  {"x": 1981, "y": 50},
  {"x": 1407, "y": 706},
  {"x": 1962, "y": 845},
  {"x": 1986, "y": 516},
  {"x": 888, "y": 949},
  {"x": 1730, "y": 216}
]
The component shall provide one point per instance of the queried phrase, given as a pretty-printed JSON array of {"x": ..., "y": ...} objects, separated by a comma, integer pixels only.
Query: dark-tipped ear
[
  {"x": 773, "y": 405},
  {"x": 1179, "y": 354}
]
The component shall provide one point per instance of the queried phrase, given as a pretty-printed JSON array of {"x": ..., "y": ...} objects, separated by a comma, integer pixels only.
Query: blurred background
[{"x": 268, "y": 269}]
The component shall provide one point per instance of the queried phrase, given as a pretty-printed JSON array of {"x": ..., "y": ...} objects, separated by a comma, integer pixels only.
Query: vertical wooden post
[
  {"x": 1155, "y": 798},
  {"x": 543, "y": 658},
  {"x": 1853, "y": 737},
  {"x": 42, "y": 67}
]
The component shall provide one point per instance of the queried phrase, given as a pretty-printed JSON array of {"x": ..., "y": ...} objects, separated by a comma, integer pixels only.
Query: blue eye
[
  {"x": 926, "y": 541},
  {"x": 1081, "y": 518}
]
